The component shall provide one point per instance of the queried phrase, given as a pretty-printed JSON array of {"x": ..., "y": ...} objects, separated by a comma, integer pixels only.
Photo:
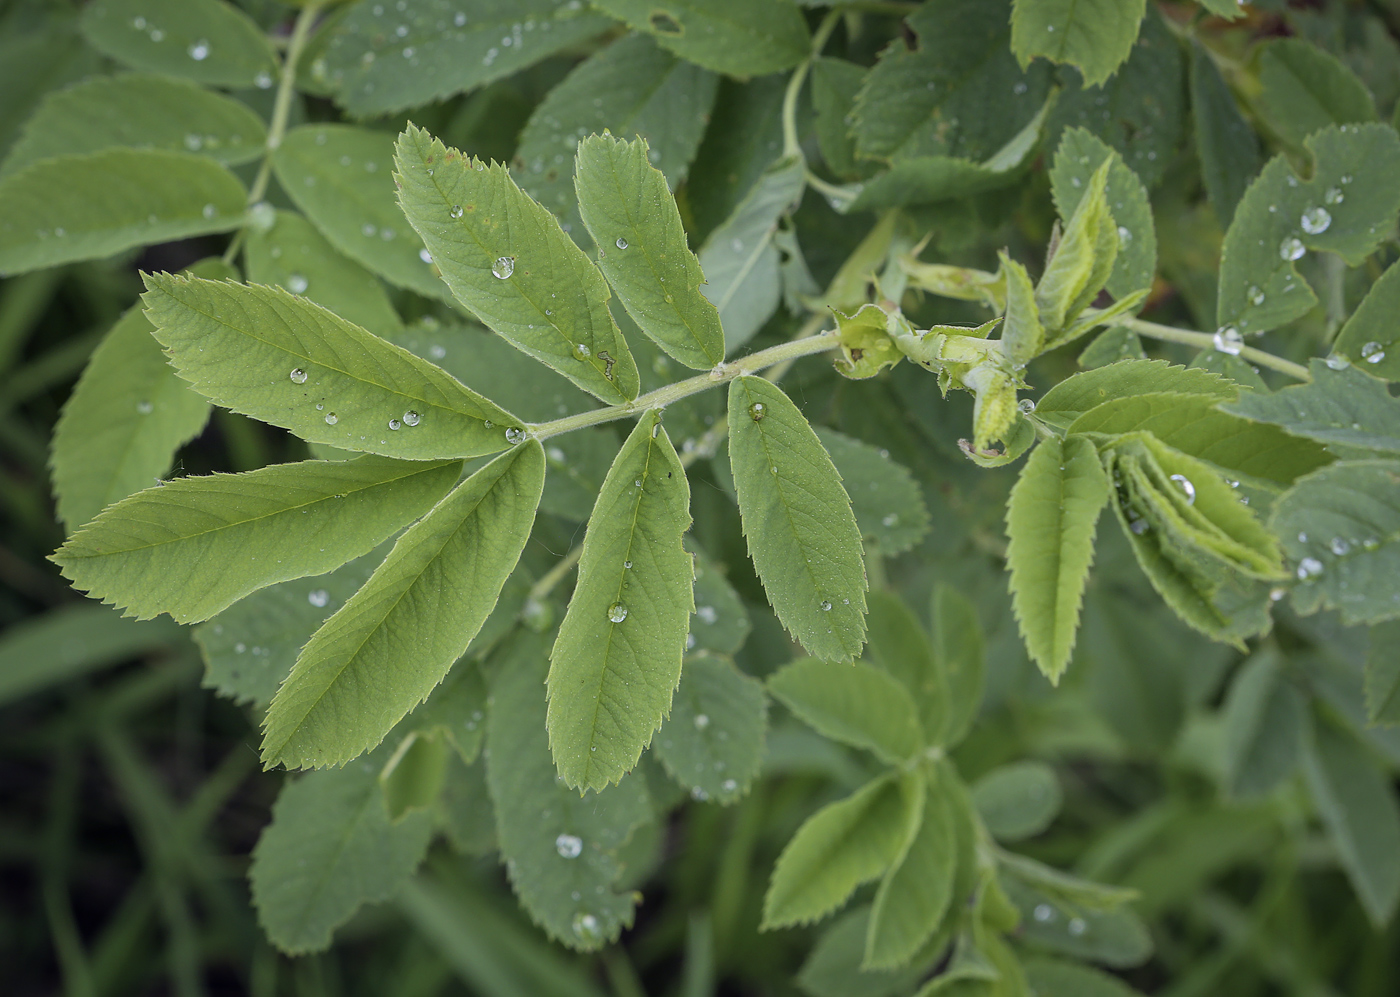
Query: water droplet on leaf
[
  {"x": 298, "y": 376},
  {"x": 617, "y": 612},
  {"x": 568, "y": 846},
  {"x": 1316, "y": 220}
]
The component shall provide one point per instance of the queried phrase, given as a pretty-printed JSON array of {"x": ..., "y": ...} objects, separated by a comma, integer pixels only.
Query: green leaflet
[
  {"x": 464, "y": 813},
  {"x": 833, "y": 968},
  {"x": 1340, "y": 526},
  {"x": 959, "y": 651},
  {"x": 413, "y": 777},
  {"x": 382, "y": 58},
  {"x": 505, "y": 258},
  {"x": 857, "y": 704},
  {"x": 1050, "y": 524},
  {"x": 1228, "y": 9},
  {"x": 578, "y": 465},
  {"x": 382, "y": 653},
  {"x": 1225, "y": 142},
  {"x": 1084, "y": 258},
  {"x": 1018, "y": 800},
  {"x": 899, "y": 645},
  {"x": 712, "y": 743},
  {"x": 139, "y": 111},
  {"x": 743, "y": 139},
  {"x": 1094, "y": 35},
  {"x": 1356, "y": 801},
  {"x": 888, "y": 504},
  {"x": 276, "y": 357},
  {"x": 122, "y": 424},
  {"x": 1264, "y": 719},
  {"x": 329, "y": 849},
  {"x": 1383, "y": 675},
  {"x": 340, "y": 178},
  {"x": 208, "y": 41},
  {"x": 75, "y": 640},
  {"x": 842, "y": 845},
  {"x": 96, "y": 204},
  {"x": 51, "y": 54},
  {"x": 1371, "y": 336},
  {"x": 632, "y": 217},
  {"x": 740, "y": 263},
  {"x": 1304, "y": 89},
  {"x": 918, "y": 889},
  {"x": 737, "y": 37},
  {"x": 720, "y": 623},
  {"x": 1052, "y": 978},
  {"x": 926, "y": 180},
  {"x": 1113, "y": 344},
  {"x": 154, "y": 552},
  {"x": 1079, "y": 393},
  {"x": 1346, "y": 408},
  {"x": 1346, "y": 207},
  {"x": 456, "y": 709},
  {"x": 293, "y": 254},
  {"x": 1193, "y": 425},
  {"x": 250, "y": 647},
  {"x": 835, "y": 84},
  {"x": 560, "y": 847},
  {"x": 955, "y": 92},
  {"x": 631, "y": 87},
  {"x": 802, "y": 536},
  {"x": 1080, "y": 153},
  {"x": 618, "y": 656}
]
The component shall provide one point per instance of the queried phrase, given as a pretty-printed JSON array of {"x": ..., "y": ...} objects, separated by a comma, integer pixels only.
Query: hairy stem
[
  {"x": 1205, "y": 341},
  {"x": 791, "y": 145}
]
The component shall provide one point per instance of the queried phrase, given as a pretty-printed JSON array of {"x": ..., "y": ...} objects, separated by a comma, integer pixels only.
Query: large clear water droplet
[
  {"x": 757, "y": 411},
  {"x": 1337, "y": 361},
  {"x": 1309, "y": 567},
  {"x": 298, "y": 376},
  {"x": 515, "y": 435},
  {"x": 621, "y": 243},
  {"x": 586, "y": 928},
  {"x": 297, "y": 283},
  {"x": 701, "y": 721},
  {"x": 1334, "y": 195},
  {"x": 425, "y": 256},
  {"x": 318, "y": 598},
  {"x": 1184, "y": 483},
  {"x": 1372, "y": 352},
  {"x": 1026, "y": 405},
  {"x": 568, "y": 846},
  {"x": 617, "y": 612},
  {"x": 331, "y": 419},
  {"x": 1228, "y": 340},
  {"x": 1292, "y": 248},
  {"x": 1339, "y": 546},
  {"x": 455, "y": 212},
  {"x": 411, "y": 418},
  {"x": 199, "y": 51},
  {"x": 1316, "y": 220},
  {"x": 394, "y": 424},
  {"x": 503, "y": 267},
  {"x": 826, "y": 606},
  {"x": 145, "y": 407},
  {"x": 581, "y": 351}
]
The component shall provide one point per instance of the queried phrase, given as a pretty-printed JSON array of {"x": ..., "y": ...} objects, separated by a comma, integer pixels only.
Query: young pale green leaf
[
  {"x": 329, "y": 849},
  {"x": 720, "y": 623},
  {"x": 1264, "y": 720},
  {"x": 1356, "y": 800},
  {"x": 631, "y": 87},
  {"x": 888, "y": 504},
  {"x": 505, "y": 258},
  {"x": 1371, "y": 336},
  {"x": 414, "y": 775},
  {"x": 1341, "y": 527},
  {"x": 797, "y": 517},
  {"x": 737, "y": 37},
  {"x": 1022, "y": 334},
  {"x": 618, "y": 656},
  {"x": 1094, "y": 35},
  {"x": 293, "y": 254},
  {"x": 340, "y": 178},
  {"x": 122, "y": 424},
  {"x": 1194, "y": 425},
  {"x": 740, "y": 263},
  {"x": 918, "y": 889},
  {"x": 632, "y": 217},
  {"x": 899, "y": 645},
  {"x": 955, "y": 91},
  {"x": 92, "y": 205},
  {"x": 1225, "y": 141},
  {"x": 208, "y": 41},
  {"x": 274, "y": 356},
  {"x": 1018, "y": 800},
  {"x": 1346, "y": 408},
  {"x": 1080, "y": 153},
  {"x": 841, "y": 846},
  {"x": 379, "y": 59},
  {"x": 194, "y": 546},
  {"x": 382, "y": 653},
  {"x": 1084, "y": 258},
  {"x": 857, "y": 704},
  {"x": 1346, "y": 207},
  {"x": 138, "y": 111},
  {"x": 1303, "y": 88},
  {"x": 712, "y": 743},
  {"x": 1383, "y": 675},
  {"x": 960, "y": 653},
  {"x": 1050, "y": 525},
  {"x": 560, "y": 848},
  {"x": 250, "y": 648},
  {"x": 1079, "y": 393}
]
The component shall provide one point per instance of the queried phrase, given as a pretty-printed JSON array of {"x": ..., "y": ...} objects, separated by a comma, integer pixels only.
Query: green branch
[{"x": 1206, "y": 341}]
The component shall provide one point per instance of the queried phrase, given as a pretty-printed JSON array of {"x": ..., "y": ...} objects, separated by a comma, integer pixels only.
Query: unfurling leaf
[
  {"x": 618, "y": 657},
  {"x": 1083, "y": 260}
]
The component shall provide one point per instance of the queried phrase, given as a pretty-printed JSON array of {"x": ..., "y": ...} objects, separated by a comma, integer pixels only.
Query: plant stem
[
  {"x": 791, "y": 145},
  {"x": 1206, "y": 341},
  {"x": 661, "y": 397}
]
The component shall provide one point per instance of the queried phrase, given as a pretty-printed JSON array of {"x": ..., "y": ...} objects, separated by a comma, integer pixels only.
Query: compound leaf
[
  {"x": 208, "y": 41},
  {"x": 797, "y": 517},
  {"x": 738, "y": 37},
  {"x": 194, "y": 546},
  {"x": 95, "y": 204},
  {"x": 632, "y": 217},
  {"x": 1018, "y": 800},
  {"x": 857, "y": 704},
  {"x": 1050, "y": 524},
  {"x": 1095, "y": 35},
  {"x": 1078, "y": 393},
  {"x": 618, "y": 657},
  {"x": 506, "y": 259},
  {"x": 274, "y": 356},
  {"x": 712, "y": 743},
  {"x": 842, "y": 845},
  {"x": 329, "y": 849},
  {"x": 382, "y": 653}
]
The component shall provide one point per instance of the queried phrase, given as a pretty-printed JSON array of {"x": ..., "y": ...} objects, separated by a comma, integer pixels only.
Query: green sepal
[{"x": 867, "y": 345}]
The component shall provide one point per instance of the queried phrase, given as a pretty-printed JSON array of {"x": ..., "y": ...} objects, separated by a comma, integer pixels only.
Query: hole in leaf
[{"x": 664, "y": 24}]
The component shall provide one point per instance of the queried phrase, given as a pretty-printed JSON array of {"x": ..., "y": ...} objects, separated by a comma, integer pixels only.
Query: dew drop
[
  {"x": 707, "y": 614},
  {"x": 456, "y": 212},
  {"x": 568, "y": 846},
  {"x": 1077, "y": 926},
  {"x": 209, "y": 211},
  {"x": 757, "y": 411},
  {"x": 621, "y": 243},
  {"x": 1044, "y": 912},
  {"x": 1228, "y": 340},
  {"x": 1372, "y": 352},
  {"x": 297, "y": 283},
  {"x": 503, "y": 267},
  {"x": 1337, "y": 361},
  {"x": 394, "y": 424},
  {"x": 1308, "y": 567},
  {"x": 1316, "y": 220},
  {"x": 263, "y": 81},
  {"x": 1125, "y": 235},
  {"x": 1334, "y": 195},
  {"x": 1339, "y": 546},
  {"x": 488, "y": 424},
  {"x": 425, "y": 256},
  {"x": 1139, "y": 527},
  {"x": 617, "y": 612},
  {"x": 1184, "y": 483},
  {"x": 298, "y": 376},
  {"x": 1256, "y": 296},
  {"x": 581, "y": 351},
  {"x": 701, "y": 721},
  {"x": 318, "y": 598},
  {"x": 1277, "y": 594},
  {"x": 826, "y": 606},
  {"x": 145, "y": 407},
  {"x": 1292, "y": 248},
  {"x": 1026, "y": 405},
  {"x": 199, "y": 51},
  {"x": 586, "y": 928},
  {"x": 411, "y": 418},
  {"x": 515, "y": 435},
  {"x": 331, "y": 419}
]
